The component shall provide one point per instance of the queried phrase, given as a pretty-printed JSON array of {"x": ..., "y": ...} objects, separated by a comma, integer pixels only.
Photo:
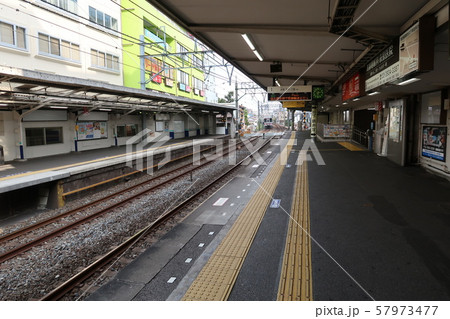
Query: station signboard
[
  {"x": 293, "y": 104},
  {"x": 384, "y": 68},
  {"x": 353, "y": 87},
  {"x": 290, "y": 93}
]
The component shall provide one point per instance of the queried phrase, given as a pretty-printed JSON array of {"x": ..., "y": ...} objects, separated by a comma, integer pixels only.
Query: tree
[{"x": 229, "y": 98}]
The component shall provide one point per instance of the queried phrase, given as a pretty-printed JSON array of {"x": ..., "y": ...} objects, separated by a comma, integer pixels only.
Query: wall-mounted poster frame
[
  {"x": 434, "y": 142},
  {"x": 91, "y": 130}
]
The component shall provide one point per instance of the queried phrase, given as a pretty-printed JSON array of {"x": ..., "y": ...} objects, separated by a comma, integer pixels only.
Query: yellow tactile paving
[
  {"x": 295, "y": 280},
  {"x": 217, "y": 278},
  {"x": 351, "y": 147}
]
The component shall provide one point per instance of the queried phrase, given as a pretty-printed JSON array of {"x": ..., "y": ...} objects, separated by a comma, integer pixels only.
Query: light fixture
[
  {"x": 252, "y": 46},
  {"x": 409, "y": 81},
  {"x": 373, "y": 93},
  {"x": 356, "y": 99},
  {"x": 258, "y": 55},
  {"x": 345, "y": 103},
  {"x": 59, "y": 107},
  {"x": 3, "y": 104},
  {"x": 249, "y": 42},
  {"x": 277, "y": 83},
  {"x": 337, "y": 105},
  {"x": 106, "y": 110}
]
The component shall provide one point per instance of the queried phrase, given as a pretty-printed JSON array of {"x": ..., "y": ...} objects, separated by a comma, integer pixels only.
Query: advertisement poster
[
  {"x": 92, "y": 130},
  {"x": 434, "y": 142},
  {"x": 395, "y": 122},
  {"x": 409, "y": 50},
  {"x": 341, "y": 131}
]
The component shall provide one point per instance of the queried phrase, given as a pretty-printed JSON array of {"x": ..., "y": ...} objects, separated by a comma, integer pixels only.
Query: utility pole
[{"x": 237, "y": 105}]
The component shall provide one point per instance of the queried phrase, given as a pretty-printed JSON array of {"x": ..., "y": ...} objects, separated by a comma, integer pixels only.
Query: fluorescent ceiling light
[
  {"x": 356, "y": 99},
  {"x": 59, "y": 107},
  {"x": 258, "y": 55},
  {"x": 277, "y": 83},
  {"x": 3, "y": 104},
  {"x": 409, "y": 81},
  {"x": 107, "y": 110},
  {"x": 205, "y": 111},
  {"x": 374, "y": 93},
  {"x": 345, "y": 103},
  {"x": 249, "y": 42}
]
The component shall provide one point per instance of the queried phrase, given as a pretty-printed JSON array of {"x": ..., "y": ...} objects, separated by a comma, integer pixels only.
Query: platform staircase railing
[{"x": 359, "y": 136}]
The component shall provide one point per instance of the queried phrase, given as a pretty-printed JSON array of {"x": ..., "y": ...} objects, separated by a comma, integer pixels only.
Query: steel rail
[
  {"x": 50, "y": 220},
  {"x": 64, "y": 288},
  {"x": 27, "y": 246}
]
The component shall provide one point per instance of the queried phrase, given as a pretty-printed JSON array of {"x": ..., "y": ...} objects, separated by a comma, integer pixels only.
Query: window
[
  {"x": 169, "y": 71},
  {"x": 181, "y": 49},
  {"x": 43, "y": 136},
  {"x": 198, "y": 84},
  {"x": 183, "y": 77},
  {"x": 56, "y": 47},
  {"x": 12, "y": 35},
  {"x": 127, "y": 130},
  {"x": 431, "y": 108},
  {"x": 67, "y": 5},
  {"x": 102, "y": 19},
  {"x": 198, "y": 62},
  {"x": 104, "y": 60}
]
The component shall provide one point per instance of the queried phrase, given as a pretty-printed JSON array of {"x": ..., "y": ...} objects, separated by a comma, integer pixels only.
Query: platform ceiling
[{"x": 316, "y": 41}]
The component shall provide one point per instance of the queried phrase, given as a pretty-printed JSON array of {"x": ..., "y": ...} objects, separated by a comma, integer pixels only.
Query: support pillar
[
  {"x": 313, "y": 120},
  {"x": 293, "y": 120}
]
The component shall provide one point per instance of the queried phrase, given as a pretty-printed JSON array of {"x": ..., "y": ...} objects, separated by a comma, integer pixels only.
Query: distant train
[{"x": 268, "y": 123}]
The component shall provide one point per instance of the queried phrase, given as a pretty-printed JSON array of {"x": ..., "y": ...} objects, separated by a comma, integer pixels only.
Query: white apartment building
[
  {"x": 73, "y": 38},
  {"x": 79, "y": 38}
]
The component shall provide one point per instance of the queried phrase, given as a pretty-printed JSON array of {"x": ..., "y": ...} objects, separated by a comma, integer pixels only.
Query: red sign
[
  {"x": 157, "y": 78},
  {"x": 350, "y": 89}
]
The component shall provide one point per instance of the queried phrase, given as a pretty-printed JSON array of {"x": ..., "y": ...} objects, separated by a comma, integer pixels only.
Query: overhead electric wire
[{"x": 211, "y": 57}]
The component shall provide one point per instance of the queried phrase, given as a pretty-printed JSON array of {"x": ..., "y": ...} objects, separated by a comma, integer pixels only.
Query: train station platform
[
  {"x": 315, "y": 221},
  {"x": 21, "y": 174}
]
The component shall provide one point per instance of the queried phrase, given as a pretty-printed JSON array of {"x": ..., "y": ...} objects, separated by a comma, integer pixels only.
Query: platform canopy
[
  {"x": 302, "y": 41},
  {"x": 26, "y": 89}
]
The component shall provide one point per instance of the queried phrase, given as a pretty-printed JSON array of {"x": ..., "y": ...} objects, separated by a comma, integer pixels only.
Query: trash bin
[{"x": 2, "y": 156}]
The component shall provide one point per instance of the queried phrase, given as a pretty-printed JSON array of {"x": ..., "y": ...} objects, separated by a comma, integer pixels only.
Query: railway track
[
  {"x": 161, "y": 180},
  {"x": 59, "y": 292}
]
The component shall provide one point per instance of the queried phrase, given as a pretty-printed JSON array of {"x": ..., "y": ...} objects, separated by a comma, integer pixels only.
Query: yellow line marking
[
  {"x": 87, "y": 162},
  {"x": 351, "y": 147},
  {"x": 218, "y": 276},
  {"x": 296, "y": 274}
]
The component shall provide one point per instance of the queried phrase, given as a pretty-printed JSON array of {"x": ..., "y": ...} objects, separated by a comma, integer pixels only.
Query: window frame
[
  {"x": 128, "y": 130},
  {"x": 115, "y": 61},
  {"x": 44, "y": 137},
  {"x": 15, "y": 37},
  {"x": 99, "y": 17},
  {"x": 67, "y": 7},
  {"x": 51, "y": 48}
]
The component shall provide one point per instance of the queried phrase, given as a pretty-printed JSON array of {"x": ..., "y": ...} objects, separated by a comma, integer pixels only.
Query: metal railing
[{"x": 359, "y": 136}]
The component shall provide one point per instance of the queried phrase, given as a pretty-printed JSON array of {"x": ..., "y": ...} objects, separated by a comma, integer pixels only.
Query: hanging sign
[{"x": 290, "y": 93}]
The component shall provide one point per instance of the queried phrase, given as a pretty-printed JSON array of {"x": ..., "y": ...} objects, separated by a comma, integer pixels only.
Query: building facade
[
  {"x": 158, "y": 54},
  {"x": 79, "y": 38}
]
